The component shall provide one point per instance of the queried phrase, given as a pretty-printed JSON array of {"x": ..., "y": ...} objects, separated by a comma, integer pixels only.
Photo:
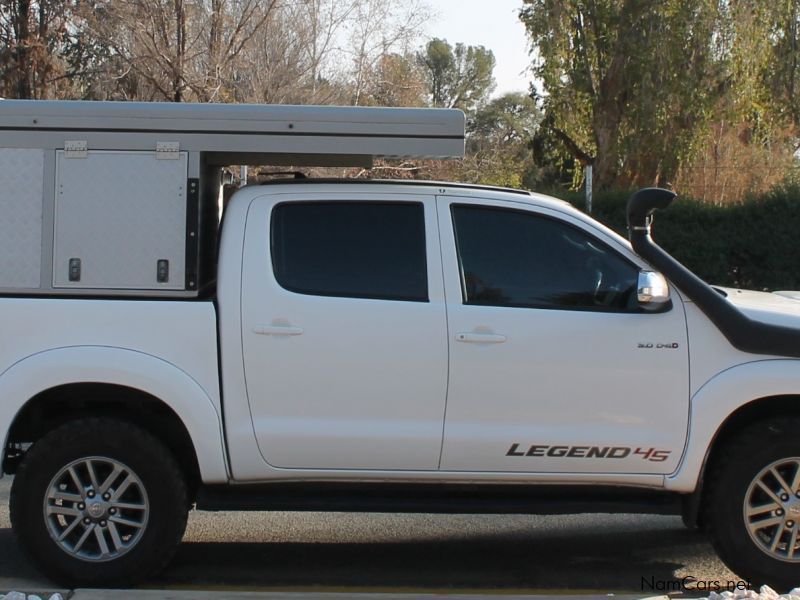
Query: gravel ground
[{"x": 335, "y": 551}]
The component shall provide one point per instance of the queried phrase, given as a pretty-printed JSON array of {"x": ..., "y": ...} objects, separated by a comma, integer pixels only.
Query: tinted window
[
  {"x": 353, "y": 249},
  {"x": 515, "y": 258}
]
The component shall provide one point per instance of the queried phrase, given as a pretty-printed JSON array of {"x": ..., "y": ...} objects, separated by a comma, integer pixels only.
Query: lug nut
[
  {"x": 81, "y": 506},
  {"x": 86, "y": 521},
  {"x": 790, "y": 523},
  {"x": 90, "y": 494},
  {"x": 106, "y": 496},
  {"x": 112, "y": 510},
  {"x": 779, "y": 512},
  {"x": 784, "y": 497},
  {"x": 103, "y": 523}
]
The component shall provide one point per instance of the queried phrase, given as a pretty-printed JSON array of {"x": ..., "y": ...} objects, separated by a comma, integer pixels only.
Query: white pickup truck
[{"x": 399, "y": 346}]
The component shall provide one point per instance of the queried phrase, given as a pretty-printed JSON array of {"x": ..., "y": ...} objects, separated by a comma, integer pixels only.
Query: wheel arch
[
  {"x": 729, "y": 398},
  {"x": 745, "y": 416},
  {"x": 48, "y": 388}
]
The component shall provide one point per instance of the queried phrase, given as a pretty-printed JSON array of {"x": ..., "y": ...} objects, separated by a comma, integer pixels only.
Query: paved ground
[{"x": 356, "y": 552}]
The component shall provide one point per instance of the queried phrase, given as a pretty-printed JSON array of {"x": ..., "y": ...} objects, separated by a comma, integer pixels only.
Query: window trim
[
  {"x": 605, "y": 245},
  {"x": 273, "y": 255}
]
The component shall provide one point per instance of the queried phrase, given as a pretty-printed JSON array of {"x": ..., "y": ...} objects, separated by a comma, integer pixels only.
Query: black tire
[
  {"x": 157, "y": 473},
  {"x": 740, "y": 462}
]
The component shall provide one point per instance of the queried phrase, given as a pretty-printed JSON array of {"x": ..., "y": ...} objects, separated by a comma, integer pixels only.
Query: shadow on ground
[
  {"x": 577, "y": 562},
  {"x": 584, "y": 555}
]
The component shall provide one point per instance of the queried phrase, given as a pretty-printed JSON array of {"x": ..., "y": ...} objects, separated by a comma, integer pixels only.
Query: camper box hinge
[
  {"x": 168, "y": 150},
  {"x": 76, "y": 149}
]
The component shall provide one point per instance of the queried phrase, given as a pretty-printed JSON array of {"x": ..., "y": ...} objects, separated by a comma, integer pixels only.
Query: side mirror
[{"x": 652, "y": 290}]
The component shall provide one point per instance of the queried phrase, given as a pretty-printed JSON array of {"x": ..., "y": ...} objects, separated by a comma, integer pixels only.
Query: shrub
[{"x": 750, "y": 245}]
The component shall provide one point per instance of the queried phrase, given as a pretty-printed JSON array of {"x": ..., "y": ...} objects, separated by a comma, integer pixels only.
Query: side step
[{"x": 438, "y": 498}]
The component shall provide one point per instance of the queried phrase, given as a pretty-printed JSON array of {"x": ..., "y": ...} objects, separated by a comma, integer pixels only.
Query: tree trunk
[
  {"x": 23, "y": 50},
  {"x": 180, "y": 51}
]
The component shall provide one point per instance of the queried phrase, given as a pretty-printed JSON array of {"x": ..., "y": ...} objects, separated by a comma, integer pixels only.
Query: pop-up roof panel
[{"x": 239, "y": 133}]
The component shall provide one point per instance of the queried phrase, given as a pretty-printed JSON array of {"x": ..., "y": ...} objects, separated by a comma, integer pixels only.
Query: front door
[
  {"x": 553, "y": 365},
  {"x": 344, "y": 331}
]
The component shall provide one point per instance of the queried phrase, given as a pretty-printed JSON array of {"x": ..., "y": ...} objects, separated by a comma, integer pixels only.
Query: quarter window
[
  {"x": 351, "y": 249},
  {"x": 515, "y": 258}
]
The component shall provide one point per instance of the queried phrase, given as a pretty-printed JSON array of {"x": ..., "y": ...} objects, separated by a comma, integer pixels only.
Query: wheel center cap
[
  {"x": 793, "y": 510},
  {"x": 96, "y": 509}
]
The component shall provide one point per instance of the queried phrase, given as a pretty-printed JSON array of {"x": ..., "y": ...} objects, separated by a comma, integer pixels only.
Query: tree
[
  {"x": 750, "y": 142},
  {"x": 396, "y": 80},
  {"x": 627, "y": 84},
  {"x": 32, "y": 39},
  {"x": 499, "y": 140},
  {"x": 177, "y": 49},
  {"x": 509, "y": 119},
  {"x": 378, "y": 29},
  {"x": 782, "y": 69},
  {"x": 458, "y": 76}
]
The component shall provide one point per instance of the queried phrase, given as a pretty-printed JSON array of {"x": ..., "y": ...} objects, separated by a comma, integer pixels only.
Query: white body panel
[
  {"x": 562, "y": 378},
  {"x": 725, "y": 379},
  {"x": 246, "y": 461},
  {"x": 364, "y": 385},
  {"x": 310, "y": 436},
  {"x": 167, "y": 349},
  {"x": 720, "y": 397}
]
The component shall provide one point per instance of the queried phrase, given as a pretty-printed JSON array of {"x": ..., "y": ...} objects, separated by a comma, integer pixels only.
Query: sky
[{"x": 490, "y": 23}]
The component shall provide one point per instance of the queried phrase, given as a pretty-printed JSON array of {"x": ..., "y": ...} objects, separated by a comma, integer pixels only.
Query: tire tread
[{"x": 77, "y": 430}]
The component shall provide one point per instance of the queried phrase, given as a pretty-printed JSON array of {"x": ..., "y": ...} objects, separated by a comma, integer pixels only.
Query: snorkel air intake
[{"x": 742, "y": 332}]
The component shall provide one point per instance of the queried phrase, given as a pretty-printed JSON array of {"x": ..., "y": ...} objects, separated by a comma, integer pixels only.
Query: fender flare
[
  {"x": 130, "y": 368},
  {"x": 718, "y": 399}
]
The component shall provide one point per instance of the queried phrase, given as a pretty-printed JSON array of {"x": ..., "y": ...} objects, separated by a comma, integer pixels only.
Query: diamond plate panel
[
  {"x": 21, "y": 185},
  {"x": 120, "y": 213}
]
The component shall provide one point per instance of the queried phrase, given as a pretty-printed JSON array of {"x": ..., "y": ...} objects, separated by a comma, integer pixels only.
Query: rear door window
[{"x": 351, "y": 249}]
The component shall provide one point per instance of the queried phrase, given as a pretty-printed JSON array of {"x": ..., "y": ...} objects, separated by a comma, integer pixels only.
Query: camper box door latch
[
  {"x": 162, "y": 270},
  {"x": 76, "y": 149},
  {"x": 74, "y": 269},
  {"x": 168, "y": 150}
]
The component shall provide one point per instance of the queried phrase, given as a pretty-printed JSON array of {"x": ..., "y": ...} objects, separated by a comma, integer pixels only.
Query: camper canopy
[{"x": 237, "y": 133}]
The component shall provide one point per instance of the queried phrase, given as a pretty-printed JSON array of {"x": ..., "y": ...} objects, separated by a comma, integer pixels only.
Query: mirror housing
[{"x": 652, "y": 291}]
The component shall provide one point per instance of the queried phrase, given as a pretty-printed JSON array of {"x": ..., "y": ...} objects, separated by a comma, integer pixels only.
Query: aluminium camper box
[{"x": 121, "y": 198}]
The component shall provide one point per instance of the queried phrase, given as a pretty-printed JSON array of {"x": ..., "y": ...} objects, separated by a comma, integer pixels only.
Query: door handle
[
  {"x": 277, "y": 330},
  {"x": 480, "y": 338}
]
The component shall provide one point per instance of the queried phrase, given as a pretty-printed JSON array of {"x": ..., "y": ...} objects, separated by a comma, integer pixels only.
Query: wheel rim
[
  {"x": 96, "y": 509},
  {"x": 772, "y": 510}
]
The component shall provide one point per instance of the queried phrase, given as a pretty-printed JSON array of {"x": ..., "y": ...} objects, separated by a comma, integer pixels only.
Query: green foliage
[
  {"x": 458, "y": 76},
  {"x": 499, "y": 136},
  {"x": 752, "y": 245},
  {"x": 632, "y": 86},
  {"x": 509, "y": 119}
]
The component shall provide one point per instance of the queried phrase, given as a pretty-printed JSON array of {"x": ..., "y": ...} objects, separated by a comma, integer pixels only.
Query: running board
[{"x": 442, "y": 498}]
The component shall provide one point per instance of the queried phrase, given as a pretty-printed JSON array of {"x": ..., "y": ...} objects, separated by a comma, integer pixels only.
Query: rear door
[{"x": 344, "y": 331}]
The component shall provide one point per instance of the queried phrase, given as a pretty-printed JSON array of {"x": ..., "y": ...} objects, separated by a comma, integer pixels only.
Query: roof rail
[{"x": 404, "y": 182}]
